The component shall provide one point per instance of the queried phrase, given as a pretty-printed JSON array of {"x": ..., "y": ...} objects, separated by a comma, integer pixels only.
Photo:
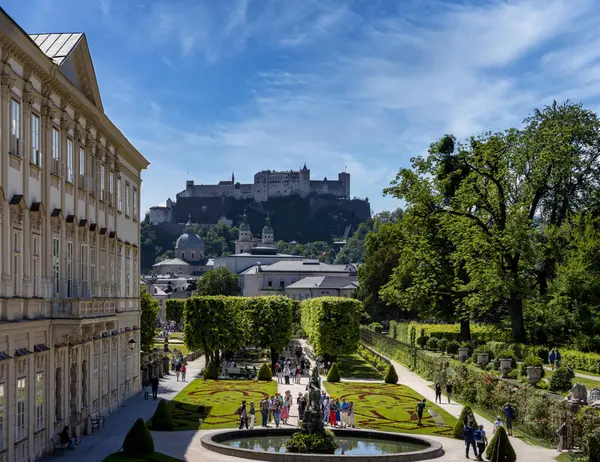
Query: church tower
[
  {"x": 244, "y": 242},
  {"x": 268, "y": 236}
]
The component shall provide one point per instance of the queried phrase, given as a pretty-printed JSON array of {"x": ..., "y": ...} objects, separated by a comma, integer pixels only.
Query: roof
[
  {"x": 171, "y": 261},
  {"x": 189, "y": 241},
  {"x": 304, "y": 266},
  {"x": 325, "y": 282},
  {"x": 56, "y": 46}
]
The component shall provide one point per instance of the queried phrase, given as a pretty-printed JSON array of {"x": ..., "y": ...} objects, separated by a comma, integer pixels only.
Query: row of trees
[{"x": 501, "y": 227}]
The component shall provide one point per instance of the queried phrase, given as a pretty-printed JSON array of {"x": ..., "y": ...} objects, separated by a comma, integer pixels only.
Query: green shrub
[
  {"x": 433, "y": 344},
  {"x": 422, "y": 341},
  {"x": 465, "y": 416},
  {"x": 376, "y": 327},
  {"x": 453, "y": 347},
  {"x": 443, "y": 345},
  {"x": 210, "y": 371},
  {"x": 264, "y": 373},
  {"x": 161, "y": 420},
  {"x": 531, "y": 361},
  {"x": 562, "y": 379},
  {"x": 589, "y": 362},
  {"x": 334, "y": 373},
  {"x": 392, "y": 329},
  {"x": 391, "y": 376},
  {"x": 313, "y": 443},
  {"x": 500, "y": 449},
  {"x": 514, "y": 374},
  {"x": 138, "y": 441},
  {"x": 591, "y": 446}
]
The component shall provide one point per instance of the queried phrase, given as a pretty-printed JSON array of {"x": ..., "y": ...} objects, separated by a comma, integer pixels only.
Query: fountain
[{"x": 316, "y": 444}]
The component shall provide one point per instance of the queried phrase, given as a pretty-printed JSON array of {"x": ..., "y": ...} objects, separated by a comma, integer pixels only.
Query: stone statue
[
  {"x": 578, "y": 394},
  {"x": 313, "y": 417},
  {"x": 224, "y": 369},
  {"x": 594, "y": 397},
  {"x": 314, "y": 392}
]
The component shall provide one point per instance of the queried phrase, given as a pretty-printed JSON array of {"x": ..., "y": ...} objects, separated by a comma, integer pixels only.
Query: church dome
[
  {"x": 268, "y": 229},
  {"x": 189, "y": 239},
  {"x": 244, "y": 225}
]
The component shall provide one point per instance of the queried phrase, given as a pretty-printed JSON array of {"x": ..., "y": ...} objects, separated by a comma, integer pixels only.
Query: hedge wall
[
  {"x": 331, "y": 324},
  {"x": 589, "y": 362},
  {"x": 409, "y": 332}
]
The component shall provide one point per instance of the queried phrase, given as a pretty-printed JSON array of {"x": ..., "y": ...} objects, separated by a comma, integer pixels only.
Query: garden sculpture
[
  {"x": 594, "y": 397},
  {"x": 578, "y": 394}
]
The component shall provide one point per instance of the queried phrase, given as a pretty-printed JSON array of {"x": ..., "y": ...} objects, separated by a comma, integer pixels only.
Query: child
[
  {"x": 183, "y": 371},
  {"x": 252, "y": 414},
  {"x": 146, "y": 390}
]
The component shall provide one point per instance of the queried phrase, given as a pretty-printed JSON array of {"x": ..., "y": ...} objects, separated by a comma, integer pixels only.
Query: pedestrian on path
[
  {"x": 327, "y": 410},
  {"x": 558, "y": 358},
  {"x": 285, "y": 409},
  {"x": 183, "y": 371},
  {"x": 344, "y": 412},
  {"x": 509, "y": 417},
  {"x": 420, "y": 408},
  {"x": 277, "y": 413},
  {"x": 438, "y": 392},
  {"x": 469, "y": 433},
  {"x": 552, "y": 358},
  {"x": 449, "y": 391},
  {"x": 286, "y": 374},
  {"x": 332, "y": 413},
  {"x": 351, "y": 414},
  {"x": 481, "y": 441},
  {"x": 146, "y": 390},
  {"x": 243, "y": 416},
  {"x": 497, "y": 424},
  {"x": 561, "y": 432},
  {"x": 252, "y": 416},
  {"x": 301, "y": 402},
  {"x": 154, "y": 388},
  {"x": 264, "y": 411}
]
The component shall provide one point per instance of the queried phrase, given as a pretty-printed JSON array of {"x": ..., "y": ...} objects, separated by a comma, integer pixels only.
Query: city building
[
  {"x": 273, "y": 279},
  {"x": 322, "y": 286},
  {"x": 69, "y": 236}
]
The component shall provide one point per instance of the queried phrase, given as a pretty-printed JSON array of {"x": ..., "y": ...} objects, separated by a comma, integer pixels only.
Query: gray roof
[
  {"x": 56, "y": 46},
  {"x": 172, "y": 261},
  {"x": 325, "y": 282},
  {"x": 304, "y": 266},
  {"x": 189, "y": 240}
]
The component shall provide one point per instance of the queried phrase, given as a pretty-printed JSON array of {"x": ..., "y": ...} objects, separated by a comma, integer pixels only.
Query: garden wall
[{"x": 409, "y": 332}]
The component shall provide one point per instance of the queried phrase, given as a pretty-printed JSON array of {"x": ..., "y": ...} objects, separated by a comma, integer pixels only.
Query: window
[
  {"x": 281, "y": 284},
  {"x": 70, "y": 160},
  {"x": 119, "y": 186},
  {"x": 2, "y": 411},
  {"x": 82, "y": 184},
  {"x": 270, "y": 283},
  {"x": 102, "y": 266},
  {"x": 56, "y": 265},
  {"x": 55, "y": 151},
  {"x": 83, "y": 270},
  {"x": 105, "y": 369},
  {"x": 40, "y": 421},
  {"x": 134, "y": 205},
  {"x": 36, "y": 156},
  {"x": 127, "y": 273},
  {"x": 17, "y": 262},
  {"x": 95, "y": 383},
  {"x": 111, "y": 188},
  {"x": 111, "y": 274},
  {"x": 35, "y": 264},
  {"x": 193, "y": 255},
  {"x": 92, "y": 265},
  {"x": 136, "y": 282},
  {"x": 69, "y": 267},
  {"x": 15, "y": 126},
  {"x": 127, "y": 204},
  {"x": 21, "y": 430},
  {"x": 102, "y": 185}
]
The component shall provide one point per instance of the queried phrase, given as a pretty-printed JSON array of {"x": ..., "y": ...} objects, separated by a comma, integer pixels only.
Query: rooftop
[
  {"x": 171, "y": 261},
  {"x": 303, "y": 266},
  {"x": 56, "y": 46},
  {"x": 325, "y": 282}
]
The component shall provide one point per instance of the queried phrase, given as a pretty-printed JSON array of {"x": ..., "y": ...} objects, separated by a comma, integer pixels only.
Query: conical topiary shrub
[
  {"x": 465, "y": 416},
  {"x": 161, "y": 420},
  {"x": 210, "y": 372},
  {"x": 138, "y": 441},
  {"x": 500, "y": 449},
  {"x": 334, "y": 373},
  {"x": 391, "y": 376},
  {"x": 264, "y": 373}
]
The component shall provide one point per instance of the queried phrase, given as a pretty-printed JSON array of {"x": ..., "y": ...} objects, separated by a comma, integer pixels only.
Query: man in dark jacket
[
  {"x": 154, "y": 383},
  {"x": 469, "y": 436}
]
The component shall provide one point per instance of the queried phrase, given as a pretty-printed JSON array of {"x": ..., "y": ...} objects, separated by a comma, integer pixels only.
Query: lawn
[
  {"x": 222, "y": 396},
  {"x": 172, "y": 347},
  {"x": 589, "y": 384},
  {"x": 156, "y": 457},
  {"x": 380, "y": 406},
  {"x": 354, "y": 366}
]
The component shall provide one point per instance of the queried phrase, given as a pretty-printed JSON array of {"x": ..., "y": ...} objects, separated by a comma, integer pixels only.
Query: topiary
[
  {"x": 465, "y": 417},
  {"x": 531, "y": 361},
  {"x": 312, "y": 443},
  {"x": 433, "y": 343},
  {"x": 210, "y": 372},
  {"x": 334, "y": 373},
  {"x": 375, "y": 326},
  {"x": 500, "y": 449},
  {"x": 265, "y": 373},
  {"x": 453, "y": 347},
  {"x": 443, "y": 345},
  {"x": 422, "y": 341},
  {"x": 161, "y": 420},
  {"x": 138, "y": 441},
  {"x": 391, "y": 376},
  {"x": 562, "y": 379}
]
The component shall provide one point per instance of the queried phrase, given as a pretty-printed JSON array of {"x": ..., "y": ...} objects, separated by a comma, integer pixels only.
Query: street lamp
[{"x": 131, "y": 344}]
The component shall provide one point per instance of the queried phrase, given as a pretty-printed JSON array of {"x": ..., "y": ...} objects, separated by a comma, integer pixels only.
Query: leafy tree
[
  {"x": 174, "y": 310},
  {"x": 219, "y": 281},
  {"x": 149, "y": 311}
]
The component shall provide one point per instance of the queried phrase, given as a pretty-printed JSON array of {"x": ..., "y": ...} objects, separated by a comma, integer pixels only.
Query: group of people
[
  {"x": 285, "y": 369},
  {"x": 178, "y": 364},
  {"x": 438, "y": 392},
  {"x": 337, "y": 413},
  {"x": 554, "y": 358}
]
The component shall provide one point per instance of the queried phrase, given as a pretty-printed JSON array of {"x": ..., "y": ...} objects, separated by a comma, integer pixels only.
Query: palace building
[{"x": 69, "y": 236}]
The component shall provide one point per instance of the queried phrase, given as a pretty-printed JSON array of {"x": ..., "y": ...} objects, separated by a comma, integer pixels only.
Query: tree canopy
[
  {"x": 174, "y": 308},
  {"x": 219, "y": 281},
  {"x": 149, "y": 311}
]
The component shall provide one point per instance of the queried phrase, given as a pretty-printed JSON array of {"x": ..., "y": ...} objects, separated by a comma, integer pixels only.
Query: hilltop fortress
[{"x": 286, "y": 195}]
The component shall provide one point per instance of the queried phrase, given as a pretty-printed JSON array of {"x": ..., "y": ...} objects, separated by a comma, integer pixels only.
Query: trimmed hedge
[
  {"x": 500, "y": 449},
  {"x": 264, "y": 373},
  {"x": 391, "y": 377},
  {"x": 332, "y": 324},
  {"x": 161, "y": 420},
  {"x": 465, "y": 416},
  {"x": 138, "y": 441},
  {"x": 589, "y": 362},
  {"x": 210, "y": 371},
  {"x": 334, "y": 373},
  {"x": 409, "y": 332}
]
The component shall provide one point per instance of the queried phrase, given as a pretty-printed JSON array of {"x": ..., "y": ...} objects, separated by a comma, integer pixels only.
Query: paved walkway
[{"x": 96, "y": 447}]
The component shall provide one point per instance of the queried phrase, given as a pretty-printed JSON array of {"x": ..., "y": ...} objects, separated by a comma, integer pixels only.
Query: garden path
[{"x": 594, "y": 378}]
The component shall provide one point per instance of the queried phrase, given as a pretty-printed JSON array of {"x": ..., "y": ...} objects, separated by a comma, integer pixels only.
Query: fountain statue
[{"x": 313, "y": 417}]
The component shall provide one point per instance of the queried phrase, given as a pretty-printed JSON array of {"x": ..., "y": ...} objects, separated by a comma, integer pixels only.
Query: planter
[
  {"x": 483, "y": 359},
  {"x": 505, "y": 367},
  {"x": 534, "y": 374},
  {"x": 463, "y": 354}
]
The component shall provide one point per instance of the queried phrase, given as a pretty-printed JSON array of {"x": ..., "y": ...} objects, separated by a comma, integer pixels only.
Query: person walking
[
  {"x": 243, "y": 416},
  {"x": 449, "y": 391},
  {"x": 481, "y": 441},
  {"x": 351, "y": 414},
  {"x": 509, "y": 417},
  {"x": 469, "y": 439},
  {"x": 154, "y": 385},
  {"x": 285, "y": 409},
  {"x": 183, "y": 371},
  {"x": 497, "y": 424},
  {"x": 286, "y": 374},
  {"x": 301, "y": 402},
  {"x": 332, "y": 413},
  {"x": 552, "y": 358},
  {"x": 558, "y": 358},
  {"x": 561, "y": 432},
  {"x": 264, "y": 411},
  {"x": 420, "y": 408},
  {"x": 277, "y": 413},
  {"x": 146, "y": 390},
  {"x": 344, "y": 412},
  {"x": 438, "y": 392},
  {"x": 252, "y": 416},
  {"x": 177, "y": 370}
]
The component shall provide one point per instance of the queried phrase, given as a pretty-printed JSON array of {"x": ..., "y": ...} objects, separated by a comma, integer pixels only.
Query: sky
[{"x": 206, "y": 87}]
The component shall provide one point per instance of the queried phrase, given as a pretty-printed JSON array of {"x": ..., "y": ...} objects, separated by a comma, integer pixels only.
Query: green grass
[
  {"x": 354, "y": 366},
  {"x": 589, "y": 384},
  {"x": 380, "y": 406},
  {"x": 173, "y": 346},
  {"x": 222, "y": 396},
  {"x": 156, "y": 457}
]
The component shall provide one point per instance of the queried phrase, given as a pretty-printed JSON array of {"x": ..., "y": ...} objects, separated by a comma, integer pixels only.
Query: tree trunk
[
  {"x": 274, "y": 357},
  {"x": 465, "y": 330},
  {"x": 516, "y": 318},
  {"x": 206, "y": 355}
]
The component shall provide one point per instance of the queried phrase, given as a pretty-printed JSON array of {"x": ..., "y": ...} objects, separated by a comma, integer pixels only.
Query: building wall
[
  {"x": 302, "y": 294},
  {"x": 274, "y": 283},
  {"x": 237, "y": 264},
  {"x": 69, "y": 253}
]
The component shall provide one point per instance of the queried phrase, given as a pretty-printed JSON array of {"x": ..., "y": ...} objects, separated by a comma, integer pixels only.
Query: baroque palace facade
[{"x": 69, "y": 236}]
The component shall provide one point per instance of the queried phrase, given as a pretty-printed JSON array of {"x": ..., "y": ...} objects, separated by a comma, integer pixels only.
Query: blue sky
[{"x": 211, "y": 86}]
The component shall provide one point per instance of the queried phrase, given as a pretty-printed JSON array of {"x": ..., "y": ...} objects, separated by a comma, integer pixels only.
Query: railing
[{"x": 62, "y": 309}]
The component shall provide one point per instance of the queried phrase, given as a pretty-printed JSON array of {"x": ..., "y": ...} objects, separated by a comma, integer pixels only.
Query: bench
[
  {"x": 58, "y": 445},
  {"x": 241, "y": 372},
  {"x": 97, "y": 421}
]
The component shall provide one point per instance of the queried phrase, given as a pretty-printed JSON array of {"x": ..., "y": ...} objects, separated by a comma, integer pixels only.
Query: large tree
[
  {"x": 174, "y": 308},
  {"x": 219, "y": 281},
  {"x": 148, "y": 313}
]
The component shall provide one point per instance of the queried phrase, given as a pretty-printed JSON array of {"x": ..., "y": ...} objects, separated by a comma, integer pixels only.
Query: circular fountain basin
[{"x": 268, "y": 444}]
